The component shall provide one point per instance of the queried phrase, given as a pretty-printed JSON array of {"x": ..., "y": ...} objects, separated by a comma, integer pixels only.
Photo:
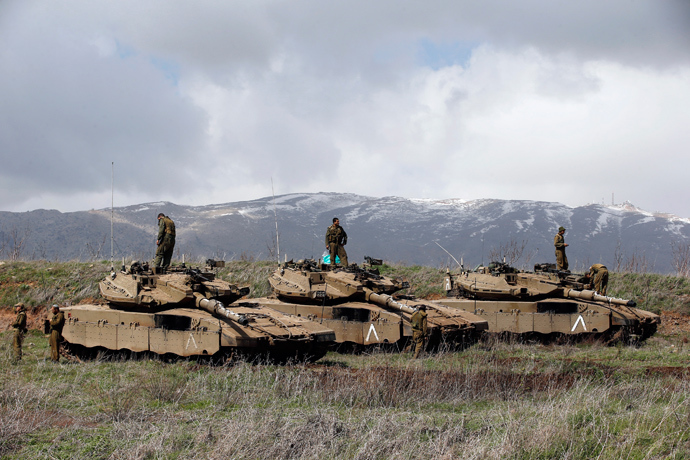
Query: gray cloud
[{"x": 202, "y": 103}]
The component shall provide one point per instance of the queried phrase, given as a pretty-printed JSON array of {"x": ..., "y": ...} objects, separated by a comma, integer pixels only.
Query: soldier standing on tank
[
  {"x": 165, "y": 241},
  {"x": 336, "y": 238},
  {"x": 57, "y": 322},
  {"x": 419, "y": 329},
  {"x": 19, "y": 326},
  {"x": 599, "y": 276},
  {"x": 559, "y": 242}
]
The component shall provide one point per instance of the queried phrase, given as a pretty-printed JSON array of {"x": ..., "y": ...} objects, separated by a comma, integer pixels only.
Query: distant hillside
[{"x": 393, "y": 228}]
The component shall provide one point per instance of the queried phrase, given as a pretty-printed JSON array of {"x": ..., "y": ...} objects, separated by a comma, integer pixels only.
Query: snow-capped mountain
[{"x": 397, "y": 229}]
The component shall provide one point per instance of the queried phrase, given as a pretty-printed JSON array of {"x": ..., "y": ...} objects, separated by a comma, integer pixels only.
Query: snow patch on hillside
[{"x": 605, "y": 220}]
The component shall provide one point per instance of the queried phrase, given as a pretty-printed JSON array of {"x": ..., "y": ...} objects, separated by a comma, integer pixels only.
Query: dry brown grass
[{"x": 492, "y": 401}]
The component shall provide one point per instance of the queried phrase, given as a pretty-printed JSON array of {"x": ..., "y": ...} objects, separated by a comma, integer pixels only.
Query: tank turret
[
  {"x": 189, "y": 312},
  {"x": 360, "y": 305},
  {"x": 547, "y": 301}
]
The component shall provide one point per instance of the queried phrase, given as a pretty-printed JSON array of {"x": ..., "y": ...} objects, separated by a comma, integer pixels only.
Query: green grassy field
[{"x": 494, "y": 400}]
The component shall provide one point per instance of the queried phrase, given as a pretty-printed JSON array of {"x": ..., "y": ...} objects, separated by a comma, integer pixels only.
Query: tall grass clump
[
  {"x": 652, "y": 291},
  {"x": 249, "y": 273},
  {"x": 425, "y": 282},
  {"x": 40, "y": 282}
]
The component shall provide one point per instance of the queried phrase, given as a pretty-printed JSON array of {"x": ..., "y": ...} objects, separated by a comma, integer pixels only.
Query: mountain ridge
[{"x": 394, "y": 228}]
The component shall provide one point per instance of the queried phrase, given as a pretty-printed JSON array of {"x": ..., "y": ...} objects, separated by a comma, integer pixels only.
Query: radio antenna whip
[
  {"x": 275, "y": 214},
  {"x": 451, "y": 255},
  {"x": 112, "y": 202}
]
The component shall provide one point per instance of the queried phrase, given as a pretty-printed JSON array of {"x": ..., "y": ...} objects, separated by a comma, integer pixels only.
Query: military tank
[
  {"x": 359, "y": 305},
  {"x": 189, "y": 312},
  {"x": 547, "y": 302}
]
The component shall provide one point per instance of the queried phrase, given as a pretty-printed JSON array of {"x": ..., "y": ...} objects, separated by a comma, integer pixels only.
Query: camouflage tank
[
  {"x": 546, "y": 302},
  {"x": 357, "y": 303},
  {"x": 189, "y": 312}
]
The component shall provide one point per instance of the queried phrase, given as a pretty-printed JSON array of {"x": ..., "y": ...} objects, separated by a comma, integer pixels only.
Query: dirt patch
[
  {"x": 34, "y": 319},
  {"x": 434, "y": 297},
  {"x": 678, "y": 372},
  {"x": 673, "y": 323},
  {"x": 390, "y": 386},
  {"x": 35, "y": 316}
]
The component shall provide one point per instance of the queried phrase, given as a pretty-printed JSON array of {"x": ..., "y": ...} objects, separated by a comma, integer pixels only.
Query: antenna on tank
[
  {"x": 451, "y": 255},
  {"x": 275, "y": 214},
  {"x": 112, "y": 202}
]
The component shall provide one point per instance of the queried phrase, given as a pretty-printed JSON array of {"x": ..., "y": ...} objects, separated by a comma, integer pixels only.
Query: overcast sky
[{"x": 203, "y": 102}]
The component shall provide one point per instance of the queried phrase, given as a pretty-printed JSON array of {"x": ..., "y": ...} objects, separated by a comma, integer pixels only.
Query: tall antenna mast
[
  {"x": 112, "y": 202},
  {"x": 275, "y": 214},
  {"x": 456, "y": 260}
]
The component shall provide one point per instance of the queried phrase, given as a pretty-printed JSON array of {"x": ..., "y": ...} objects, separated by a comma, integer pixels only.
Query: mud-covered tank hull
[{"x": 193, "y": 333}]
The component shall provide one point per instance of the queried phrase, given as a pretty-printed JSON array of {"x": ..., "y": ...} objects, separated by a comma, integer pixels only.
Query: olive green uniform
[
  {"x": 561, "y": 259},
  {"x": 57, "y": 322},
  {"x": 166, "y": 242},
  {"x": 599, "y": 276},
  {"x": 19, "y": 326},
  {"x": 336, "y": 238},
  {"x": 419, "y": 330}
]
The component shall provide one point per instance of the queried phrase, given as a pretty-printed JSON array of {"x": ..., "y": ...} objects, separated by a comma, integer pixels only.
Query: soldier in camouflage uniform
[
  {"x": 599, "y": 276},
  {"x": 336, "y": 238},
  {"x": 165, "y": 241},
  {"x": 57, "y": 322},
  {"x": 19, "y": 326},
  {"x": 419, "y": 329},
  {"x": 559, "y": 242}
]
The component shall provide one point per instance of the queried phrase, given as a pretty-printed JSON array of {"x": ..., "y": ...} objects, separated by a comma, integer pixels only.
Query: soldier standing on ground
[
  {"x": 165, "y": 241},
  {"x": 598, "y": 276},
  {"x": 419, "y": 329},
  {"x": 20, "y": 329},
  {"x": 559, "y": 242},
  {"x": 57, "y": 322},
  {"x": 336, "y": 238}
]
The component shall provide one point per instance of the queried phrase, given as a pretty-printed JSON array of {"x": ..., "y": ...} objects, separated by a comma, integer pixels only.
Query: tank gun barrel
[
  {"x": 591, "y": 295},
  {"x": 386, "y": 301},
  {"x": 216, "y": 307}
]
